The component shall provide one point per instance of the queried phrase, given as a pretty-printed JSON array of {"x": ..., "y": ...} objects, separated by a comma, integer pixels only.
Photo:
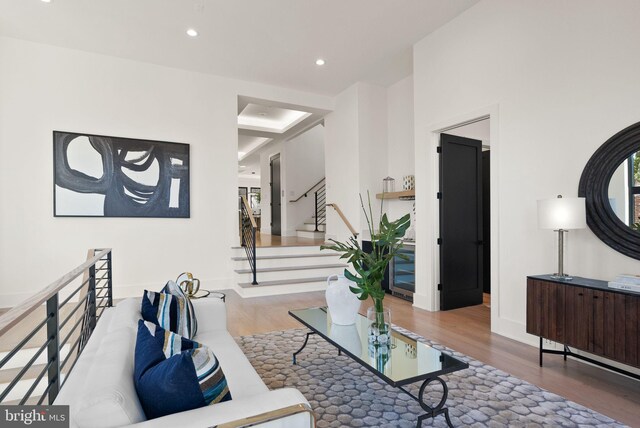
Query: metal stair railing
[
  {"x": 94, "y": 295},
  {"x": 248, "y": 227}
]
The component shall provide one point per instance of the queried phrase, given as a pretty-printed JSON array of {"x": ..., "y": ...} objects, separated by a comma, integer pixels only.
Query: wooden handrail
[
  {"x": 19, "y": 312},
  {"x": 310, "y": 189},
  {"x": 249, "y": 211},
  {"x": 344, "y": 218}
]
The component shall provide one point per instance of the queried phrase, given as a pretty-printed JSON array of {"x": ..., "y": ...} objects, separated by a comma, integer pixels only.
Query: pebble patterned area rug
[{"x": 344, "y": 394}]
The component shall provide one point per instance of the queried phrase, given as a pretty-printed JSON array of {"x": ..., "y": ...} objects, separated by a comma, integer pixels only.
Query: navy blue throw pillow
[
  {"x": 173, "y": 374},
  {"x": 169, "y": 311}
]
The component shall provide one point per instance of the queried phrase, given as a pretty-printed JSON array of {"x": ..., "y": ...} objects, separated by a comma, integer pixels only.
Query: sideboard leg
[{"x": 540, "y": 351}]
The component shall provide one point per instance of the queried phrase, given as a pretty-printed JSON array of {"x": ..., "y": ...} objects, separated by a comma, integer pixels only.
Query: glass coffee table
[{"x": 400, "y": 362}]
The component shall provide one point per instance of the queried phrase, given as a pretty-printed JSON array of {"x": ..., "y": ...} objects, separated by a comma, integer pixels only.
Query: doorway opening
[
  {"x": 276, "y": 197},
  {"x": 464, "y": 198},
  {"x": 280, "y": 169}
]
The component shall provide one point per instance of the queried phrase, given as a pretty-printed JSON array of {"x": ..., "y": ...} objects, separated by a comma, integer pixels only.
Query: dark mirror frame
[{"x": 594, "y": 186}]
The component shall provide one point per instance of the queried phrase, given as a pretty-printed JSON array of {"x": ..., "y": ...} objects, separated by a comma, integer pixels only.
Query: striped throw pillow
[
  {"x": 174, "y": 374},
  {"x": 174, "y": 289},
  {"x": 169, "y": 312}
]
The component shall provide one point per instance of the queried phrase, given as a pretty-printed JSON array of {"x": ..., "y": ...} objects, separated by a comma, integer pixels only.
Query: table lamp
[{"x": 561, "y": 214}]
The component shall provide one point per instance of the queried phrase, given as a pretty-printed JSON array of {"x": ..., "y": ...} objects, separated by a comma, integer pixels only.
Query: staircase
[
  {"x": 314, "y": 227},
  {"x": 285, "y": 270},
  {"x": 308, "y": 229}
]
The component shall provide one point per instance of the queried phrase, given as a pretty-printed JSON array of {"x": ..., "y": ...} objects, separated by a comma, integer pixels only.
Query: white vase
[{"x": 343, "y": 304}]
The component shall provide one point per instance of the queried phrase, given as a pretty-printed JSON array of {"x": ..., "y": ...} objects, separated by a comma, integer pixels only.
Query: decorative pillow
[
  {"x": 167, "y": 311},
  {"x": 174, "y": 289},
  {"x": 174, "y": 374}
]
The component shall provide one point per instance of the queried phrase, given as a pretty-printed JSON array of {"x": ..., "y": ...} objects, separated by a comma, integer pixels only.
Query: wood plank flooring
[
  {"x": 466, "y": 330},
  {"x": 263, "y": 240}
]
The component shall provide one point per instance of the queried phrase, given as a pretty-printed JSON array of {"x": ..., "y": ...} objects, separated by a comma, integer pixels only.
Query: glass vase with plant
[{"x": 370, "y": 267}]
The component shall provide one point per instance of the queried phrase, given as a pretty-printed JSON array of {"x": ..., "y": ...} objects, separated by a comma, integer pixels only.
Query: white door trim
[{"x": 427, "y": 180}]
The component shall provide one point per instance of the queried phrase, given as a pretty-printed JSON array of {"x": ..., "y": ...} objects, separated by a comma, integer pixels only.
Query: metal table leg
[
  {"x": 303, "y": 346},
  {"x": 439, "y": 409}
]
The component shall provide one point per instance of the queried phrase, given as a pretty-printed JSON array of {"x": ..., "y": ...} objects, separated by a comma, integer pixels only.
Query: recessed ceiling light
[
  {"x": 320, "y": 61},
  {"x": 243, "y": 166},
  {"x": 192, "y": 33},
  {"x": 46, "y": 1}
]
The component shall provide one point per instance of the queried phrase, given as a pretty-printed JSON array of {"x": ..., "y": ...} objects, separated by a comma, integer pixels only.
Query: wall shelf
[{"x": 408, "y": 194}]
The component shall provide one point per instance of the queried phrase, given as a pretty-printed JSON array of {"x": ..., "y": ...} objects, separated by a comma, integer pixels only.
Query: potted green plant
[{"x": 370, "y": 267}]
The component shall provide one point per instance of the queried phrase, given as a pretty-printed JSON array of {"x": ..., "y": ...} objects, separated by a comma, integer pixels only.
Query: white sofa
[{"x": 101, "y": 393}]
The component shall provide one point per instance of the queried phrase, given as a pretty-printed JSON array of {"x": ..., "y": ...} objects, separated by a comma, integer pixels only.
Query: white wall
[
  {"x": 560, "y": 80},
  {"x": 45, "y": 88},
  {"x": 400, "y": 142},
  {"x": 372, "y": 122},
  {"x": 355, "y": 155},
  {"x": 304, "y": 168},
  {"x": 341, "y": 163},
  {"x": 244, "y": 181}
]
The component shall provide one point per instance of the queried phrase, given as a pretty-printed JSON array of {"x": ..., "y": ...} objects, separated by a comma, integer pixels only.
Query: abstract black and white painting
[{"x": 99, "y": 176}]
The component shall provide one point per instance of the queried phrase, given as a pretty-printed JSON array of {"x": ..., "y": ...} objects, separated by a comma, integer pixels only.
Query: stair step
[
  {"x": 292, "y": 268},
  {"x": 288, "y": 256},
  {"x": 309, "y": 234},
  {"x": 7, "y": 375},
  {"x": 283, "y": 282}
]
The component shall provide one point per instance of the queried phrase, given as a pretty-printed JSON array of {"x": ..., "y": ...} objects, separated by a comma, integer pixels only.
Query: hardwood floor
[
  {"x": 466, "y": 330},
  {"x": 264, "y": 240}
]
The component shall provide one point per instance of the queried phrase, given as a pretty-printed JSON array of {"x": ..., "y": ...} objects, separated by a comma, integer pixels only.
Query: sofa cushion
[
  {"x": 100, "y": 390},
  {"x": 125, "y": 315},
  {"x": 241, "y": 376},
  {"x": 174, "y": 374},
  {"x": 168, "y": 312},
  {"x": 172, "y": 288}
]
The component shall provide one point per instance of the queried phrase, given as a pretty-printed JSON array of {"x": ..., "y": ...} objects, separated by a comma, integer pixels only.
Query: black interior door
[
  {"x": 461, "y": 243},
  {"x": 276, "y": 213}
]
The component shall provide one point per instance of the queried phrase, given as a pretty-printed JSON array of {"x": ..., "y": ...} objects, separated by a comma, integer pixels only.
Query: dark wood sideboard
[{"x": 587, "y": 315}]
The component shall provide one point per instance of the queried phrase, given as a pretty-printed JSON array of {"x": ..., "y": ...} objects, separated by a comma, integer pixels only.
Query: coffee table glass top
[{"x": 403, "y": 361}]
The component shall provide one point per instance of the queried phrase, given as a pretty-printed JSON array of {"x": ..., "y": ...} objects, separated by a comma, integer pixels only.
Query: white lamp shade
[{"x": 562, "y": 213}]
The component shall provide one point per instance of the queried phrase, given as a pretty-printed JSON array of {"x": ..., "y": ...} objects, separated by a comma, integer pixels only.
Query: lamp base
[{"x": 563, "y": 277}]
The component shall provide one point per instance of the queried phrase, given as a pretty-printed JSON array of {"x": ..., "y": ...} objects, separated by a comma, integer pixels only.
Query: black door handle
[{"x": 480, "y": 242}]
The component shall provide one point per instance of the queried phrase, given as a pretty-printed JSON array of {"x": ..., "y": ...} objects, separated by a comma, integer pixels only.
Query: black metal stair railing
[
  {"x": 94, "y": 295},
  {"x": 248, "y": 229},
  {"x": 321, "y": 207}
]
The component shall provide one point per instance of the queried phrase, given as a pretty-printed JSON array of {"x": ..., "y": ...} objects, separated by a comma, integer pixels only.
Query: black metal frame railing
[
  {"x": 248, "y": 229},
  {"x": 321, "y": 207},
  {"x": 94, "y": 296}
]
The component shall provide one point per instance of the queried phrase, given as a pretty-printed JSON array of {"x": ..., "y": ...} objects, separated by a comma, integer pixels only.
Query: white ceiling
[
  {"x": 274, "y": 42},
  {"x": 270, "y": 118}
]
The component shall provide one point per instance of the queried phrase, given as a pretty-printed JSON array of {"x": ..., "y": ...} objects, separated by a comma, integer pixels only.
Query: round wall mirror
[
  {"x": 624, "y": 191},
  {"x": 610, "y": 183}
]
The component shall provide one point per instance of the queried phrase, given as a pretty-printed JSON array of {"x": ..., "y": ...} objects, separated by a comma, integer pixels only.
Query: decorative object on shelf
[
  {"x": 613, "y": 201},
  {"x": 388, "y": 185},
  {"x": 370, "y": 267},
  {"x": 99, "y": 176},
  {"x": 408, "y": 182},
  {"x": 342, "y": 303},
  {"x": 626, "y": 282},
  {"x": 188, "y": 284},
  {"x": 561, "y": 214}
]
